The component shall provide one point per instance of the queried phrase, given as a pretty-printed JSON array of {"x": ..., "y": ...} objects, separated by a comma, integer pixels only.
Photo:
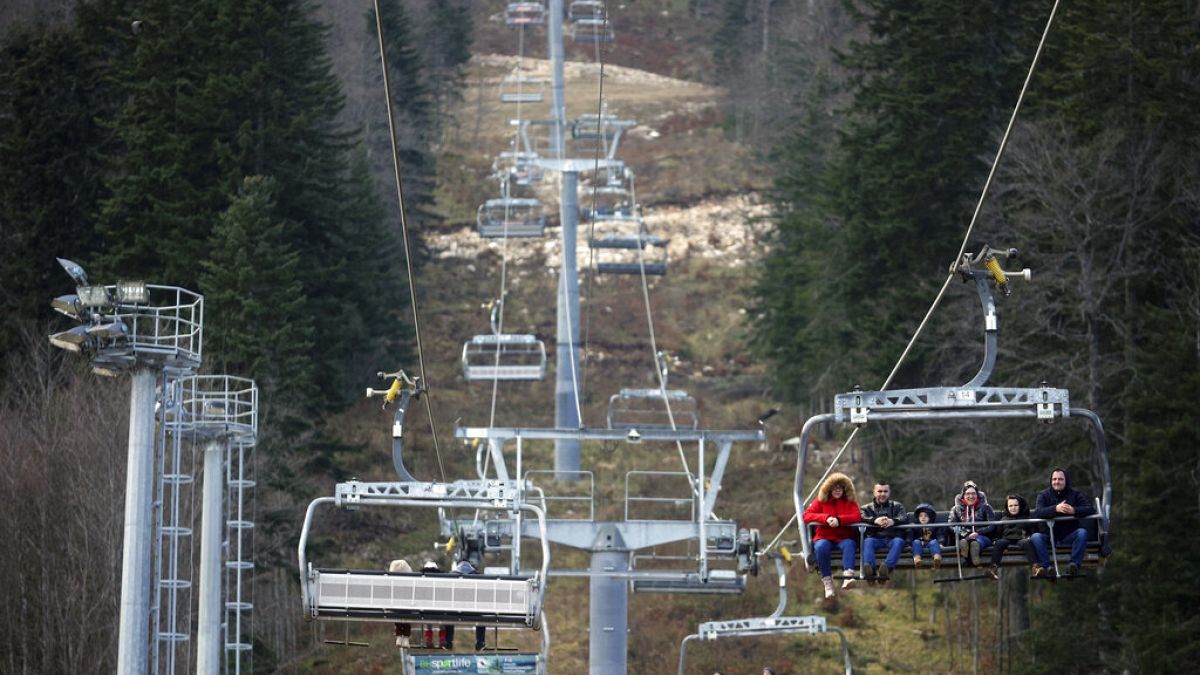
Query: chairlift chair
[
  {"x": 604, "y": 200},
  {"x": 512, "y": 599},
  {"x": 525, "y": 14},
  {"x": 649, "y": 254},
  {"x": 592, "y": 31},
  {"x": 774, "y": 625},
  {"x": 518, "y": 167},
  {"x": 597, "y": 127},
  {"x": 511, "y": 217},
  {"x": 647, "y": 409},
  {"x": 622, "y": 231},
  {"x": 503, "y": 356},
  {"x": 517, "y": 88},
  {"x": 585, "y": 9},
  {"x": 971, "y": 401}
]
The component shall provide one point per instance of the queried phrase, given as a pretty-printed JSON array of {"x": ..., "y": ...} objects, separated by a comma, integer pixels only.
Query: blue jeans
[
  {"x": 823, "y": 548},
  {"x": 1077, "y": 540},
  {"x": 895, "y": 546},
  {"x": 919, "y": 547}
]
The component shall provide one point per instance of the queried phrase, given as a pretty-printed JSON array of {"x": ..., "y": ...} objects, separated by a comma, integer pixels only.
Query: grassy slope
[{"x": 697, "y": 317}]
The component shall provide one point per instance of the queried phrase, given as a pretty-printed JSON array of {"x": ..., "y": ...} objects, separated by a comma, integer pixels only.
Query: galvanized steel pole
[
  {"x": 208, "y": 638},
  {"x": 134, "y": 628},
  {"x": 566, "y": 372}
]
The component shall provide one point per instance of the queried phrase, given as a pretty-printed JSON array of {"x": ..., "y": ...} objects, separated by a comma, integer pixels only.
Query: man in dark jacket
[
  {"x": 1062, "y": 501},
  {"x": 882, "y": 516}
]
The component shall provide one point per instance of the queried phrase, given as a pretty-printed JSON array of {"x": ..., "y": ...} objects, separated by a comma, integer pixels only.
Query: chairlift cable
[
  {"x": 412, "y": 288},
  {"x": 504, "y": 245},
  {"x": 641, "y": 260},
  {"x": 575, "y": 375},
  {"x": 658, "y": 371},
  {"x": 950, "y": 276},
  {"x": 591, "y": 267},
  {"x": 1004, "y": 140}
]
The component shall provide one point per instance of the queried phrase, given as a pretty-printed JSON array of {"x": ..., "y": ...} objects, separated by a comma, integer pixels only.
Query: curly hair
[{"x": 833, "y": 481}]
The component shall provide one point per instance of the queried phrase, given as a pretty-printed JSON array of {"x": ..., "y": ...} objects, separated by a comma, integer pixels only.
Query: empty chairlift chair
[
  {"x": 593, "y": 134},
  {"x": 511, "y": 217},
  {"x": 518, "y": 88},
  {"x": 623, "y": 246},
  {"x": 525, "y": 14},
  {"x": 604, "y": 201},
  {"x": 585, "y": 9},
  {"x": 500, "y": 356},
  {"x": 592, "y": 31},
  {"x": 653, "y": 408},
  {"x": 518, "y": 168}
]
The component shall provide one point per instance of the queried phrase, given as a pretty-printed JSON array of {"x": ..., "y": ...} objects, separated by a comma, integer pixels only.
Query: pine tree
[
  {"x": 164, "y": 185},
  {"x": 215, "y": 91},
  {"x": 870, "y": 239},
  {"x": 448, "y": 46},
  {"x": 257, "y": 316},
  {"x": 414, "y": 118},
  {"x": 49, "y": 170}
]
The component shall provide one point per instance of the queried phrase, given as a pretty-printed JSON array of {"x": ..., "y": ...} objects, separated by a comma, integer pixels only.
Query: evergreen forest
[{"x": 241, "y": 149}]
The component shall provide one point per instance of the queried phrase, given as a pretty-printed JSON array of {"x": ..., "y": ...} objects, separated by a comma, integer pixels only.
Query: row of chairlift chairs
[
  {"x": 515, "y": 357},
  {"x": 617, "y": 230},
  {"x": 510, "y": 598},
  {"x": 588, "y": 19}
]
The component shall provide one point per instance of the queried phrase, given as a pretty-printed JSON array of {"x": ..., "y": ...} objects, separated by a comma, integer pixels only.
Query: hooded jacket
[
  {"x": 1048, "y": 500},
  {"x": 892, "y": 509},
  {"x": 845, "y": 509},
  {"x": 925, "y": 534},
  {"x": 970, "y": 516},
  {"x": 1016, "y": 531}
]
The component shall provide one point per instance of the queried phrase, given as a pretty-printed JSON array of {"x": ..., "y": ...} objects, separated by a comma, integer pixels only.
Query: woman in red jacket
[{"x": 834, "y": 511}]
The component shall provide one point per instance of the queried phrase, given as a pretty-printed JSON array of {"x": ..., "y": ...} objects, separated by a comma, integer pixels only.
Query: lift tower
[{"x": 144, "y": 330}]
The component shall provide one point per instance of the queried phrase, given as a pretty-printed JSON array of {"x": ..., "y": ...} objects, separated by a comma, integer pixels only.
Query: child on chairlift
[
  {"x": 925, "y": 539},
  {"x": 1013, "y": 534}
]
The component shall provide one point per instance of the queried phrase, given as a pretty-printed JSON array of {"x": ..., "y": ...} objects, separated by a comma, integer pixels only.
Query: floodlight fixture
[
  {"x": 109, "y": 331},
  {"x": 75, "y": 271},
  {"x": 132, "y": 293},
  {"x": 72, "y": 340},
  {"x": 93, "y": 296},
  {"x": 633, "y": 436},
  {"x": 68, "y": 305}
]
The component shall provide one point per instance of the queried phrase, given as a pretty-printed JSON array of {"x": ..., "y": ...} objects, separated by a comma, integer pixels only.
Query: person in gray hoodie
[{"x": 1066, "y": 505}]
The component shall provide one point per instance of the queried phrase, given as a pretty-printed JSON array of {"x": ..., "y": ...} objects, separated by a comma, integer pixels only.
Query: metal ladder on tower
[
  {"x": 238, "y": 554},
  {"x": 173, "y": 538}
]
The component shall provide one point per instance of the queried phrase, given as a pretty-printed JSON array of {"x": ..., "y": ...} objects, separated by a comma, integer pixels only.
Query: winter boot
[
  {"x": 851, "y": 577},
  {"x": 974, "y": 555},
  {"x": 828, "y": 583},
  {"x": 937, "y": 562}
]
